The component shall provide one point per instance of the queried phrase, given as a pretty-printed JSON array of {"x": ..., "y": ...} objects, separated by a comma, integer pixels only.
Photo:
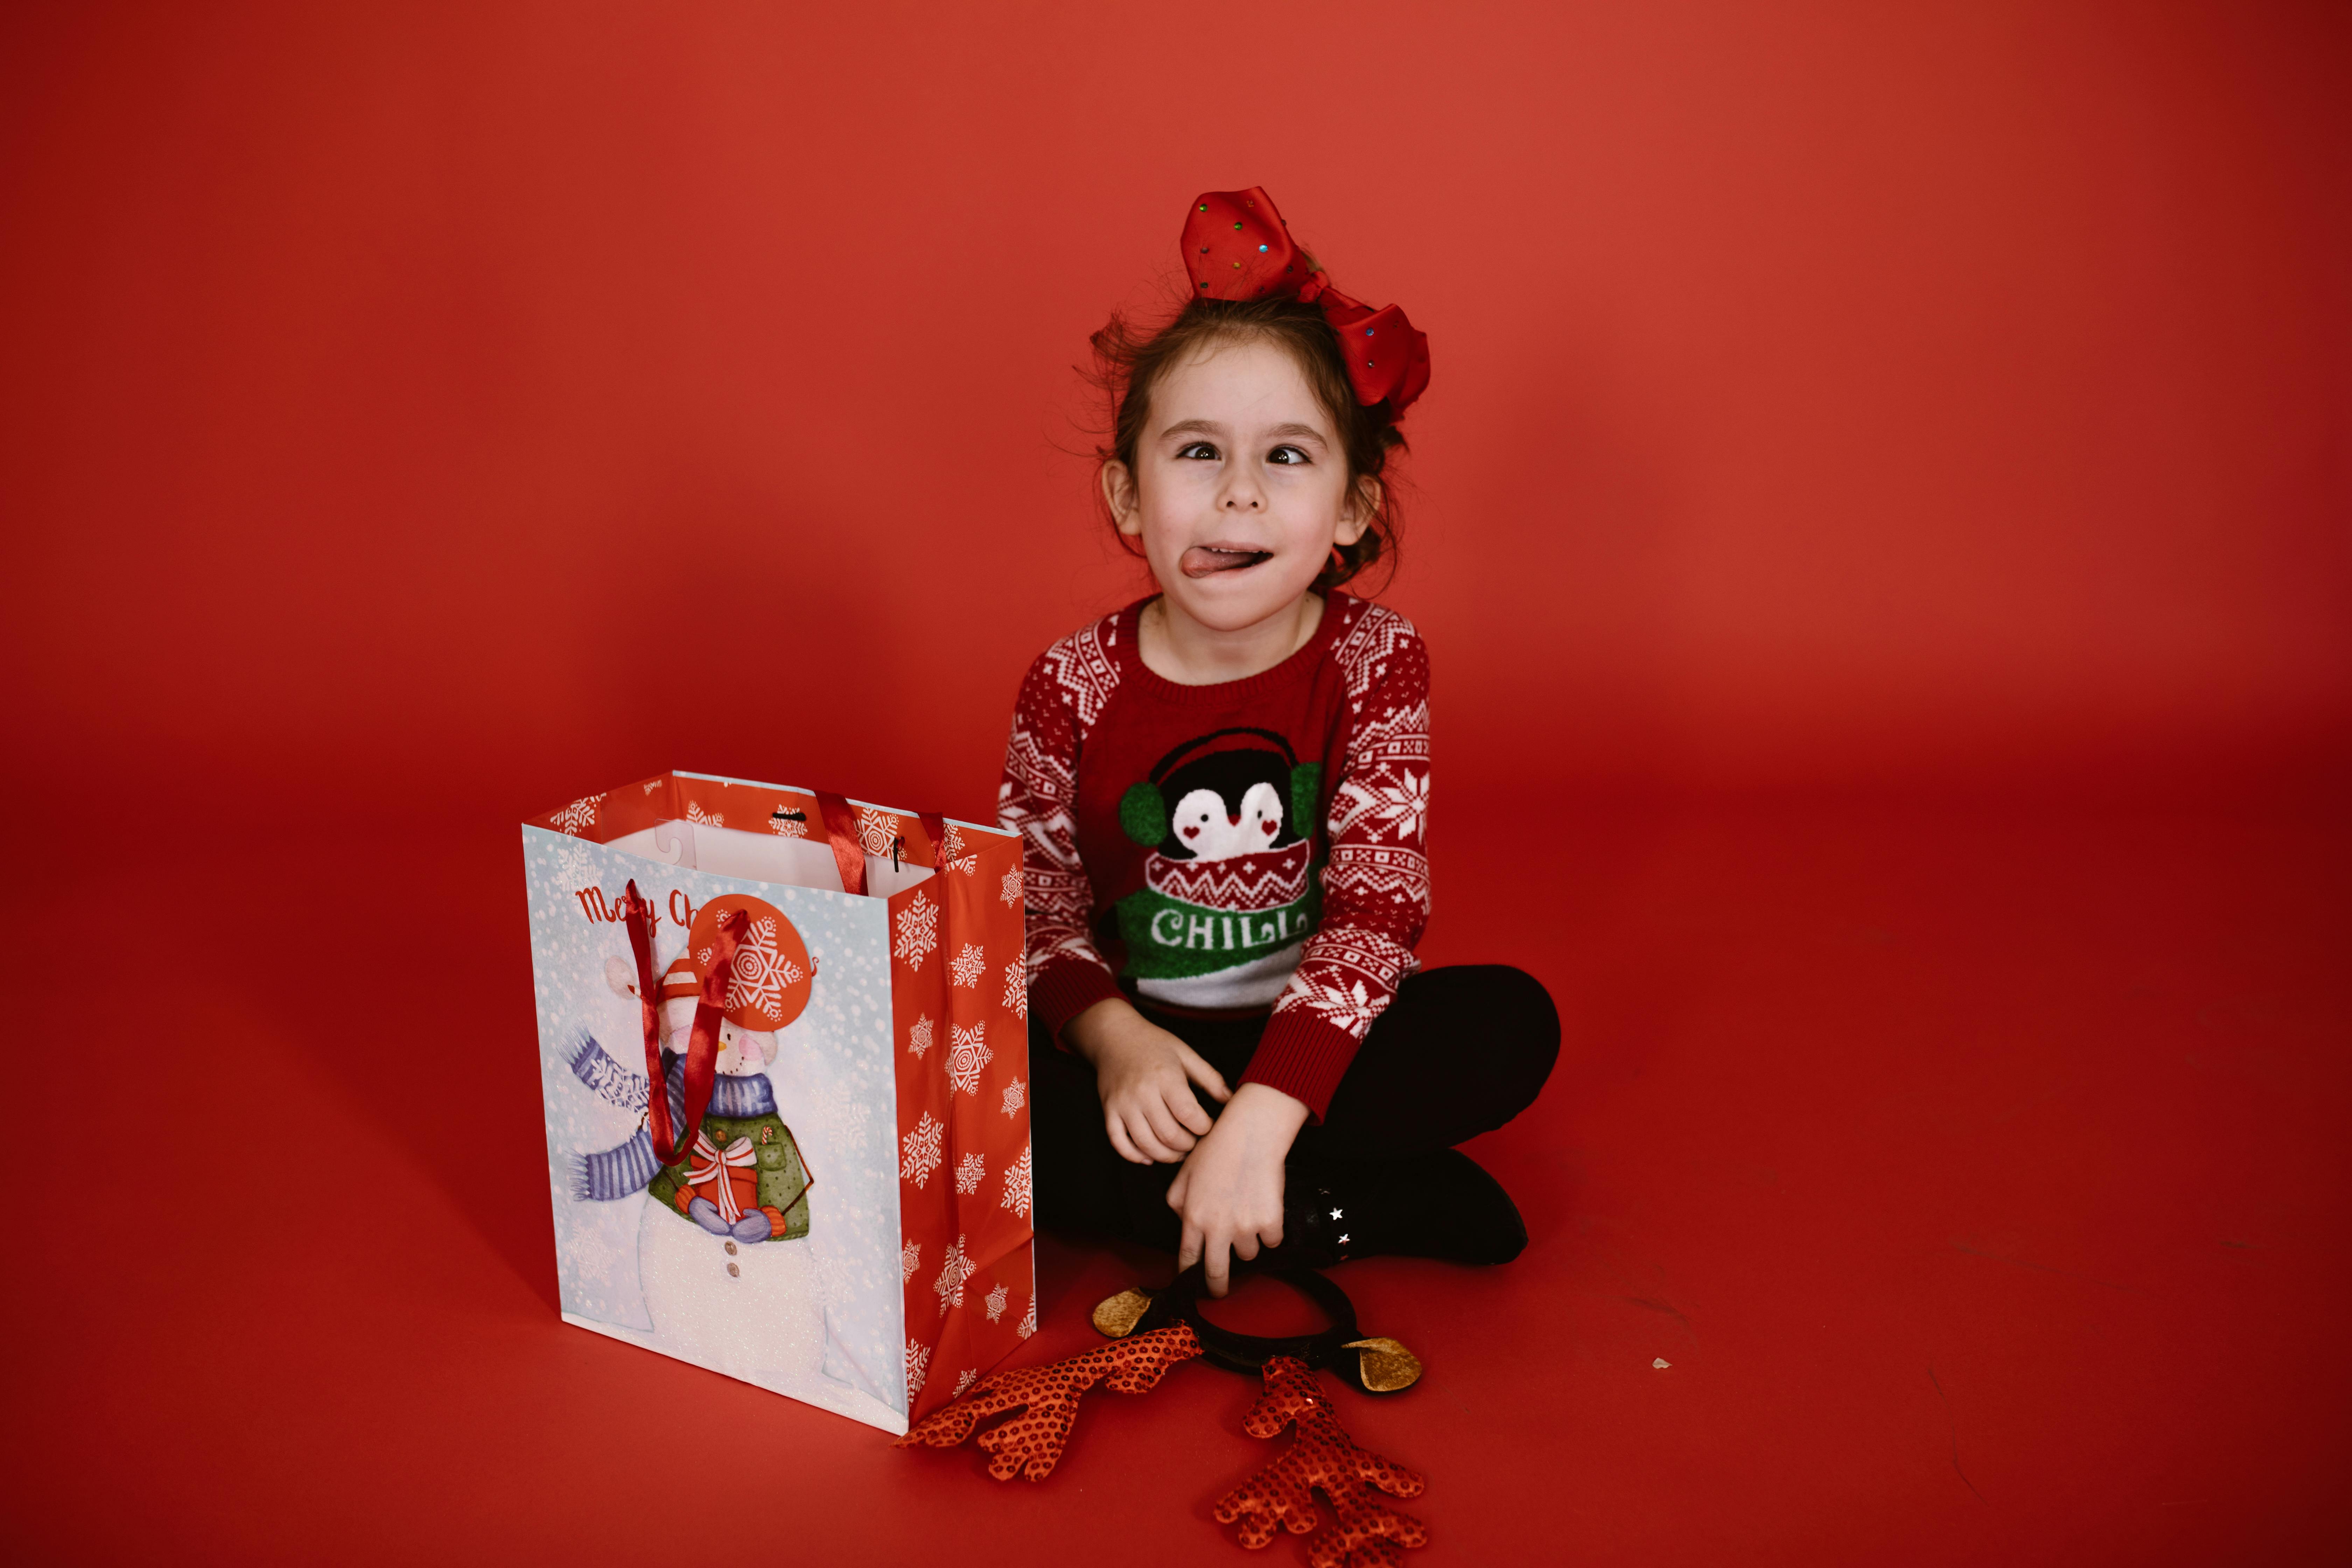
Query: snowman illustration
[
  {"x": 723, "y": 1283},
  {"x": 1228, "y": 895}
]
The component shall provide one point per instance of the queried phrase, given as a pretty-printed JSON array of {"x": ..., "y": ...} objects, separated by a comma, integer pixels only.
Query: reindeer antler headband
[
  {"x": 1237, "y": 246},
  {"x": 1154, "y": 1331}
]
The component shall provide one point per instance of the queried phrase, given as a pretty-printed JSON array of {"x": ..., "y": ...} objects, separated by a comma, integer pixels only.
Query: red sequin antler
[
  {"x": 1047, "y": 1396},
  {"x": 1364, "y": 1531}
]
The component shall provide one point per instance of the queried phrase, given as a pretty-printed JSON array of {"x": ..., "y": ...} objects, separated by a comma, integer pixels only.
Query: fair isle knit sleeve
[
  {"x": 1376, "y": 882},
  {"x": 1061, "y": 699}
]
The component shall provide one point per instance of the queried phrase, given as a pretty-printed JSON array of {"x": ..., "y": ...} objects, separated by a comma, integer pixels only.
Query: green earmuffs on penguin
[{"x": 1235, "y": 792}]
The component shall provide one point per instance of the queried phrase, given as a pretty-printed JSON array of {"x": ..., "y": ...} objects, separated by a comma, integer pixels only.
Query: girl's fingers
[
  {"x": 1245, "y": 1246},
  {"x": 1146, "y": 1136},
  {"x": 1197, "y": 1068},
  {"x": 1167, "y": 1122},
  {"x": 1185, "y": 1107},
  {"x": 1119, "y": 1140},
  {"x": 1219, "y": 1269},
  {"x": 1188, "y": 1251}
]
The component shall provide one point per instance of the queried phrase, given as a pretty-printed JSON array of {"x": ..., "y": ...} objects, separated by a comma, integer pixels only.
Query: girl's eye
[
  {"x": 1287, "y": 455},
  {"x": 1198, "y": 450}
]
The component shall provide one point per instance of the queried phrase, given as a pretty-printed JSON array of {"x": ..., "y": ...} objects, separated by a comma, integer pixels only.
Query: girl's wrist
[
  {"x": 1263, "y": 1107},
  {"x": 1086, "y": 1034}
]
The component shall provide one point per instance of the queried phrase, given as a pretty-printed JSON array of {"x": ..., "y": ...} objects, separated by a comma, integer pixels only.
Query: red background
[
  {"x": 417, "y": 417},
  {"x": 404, "y": 396}
]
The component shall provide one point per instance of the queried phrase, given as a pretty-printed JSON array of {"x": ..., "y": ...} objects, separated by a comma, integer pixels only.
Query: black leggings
[{"x": 1460, "y": 1051}]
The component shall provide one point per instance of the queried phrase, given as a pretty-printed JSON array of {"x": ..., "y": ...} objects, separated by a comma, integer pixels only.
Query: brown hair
[{"x": 1128, "y": 363}]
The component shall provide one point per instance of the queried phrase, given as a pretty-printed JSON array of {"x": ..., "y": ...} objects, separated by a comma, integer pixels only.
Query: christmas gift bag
[{"x": 828, "y": 1195}]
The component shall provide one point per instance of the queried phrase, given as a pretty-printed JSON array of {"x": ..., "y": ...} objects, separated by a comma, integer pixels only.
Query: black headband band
[{"x": 1372, "y": 1365}]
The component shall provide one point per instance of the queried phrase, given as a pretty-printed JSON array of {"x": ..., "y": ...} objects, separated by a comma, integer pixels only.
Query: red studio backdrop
[
  {"x": 413, "y": 416},
  {"x": 430, "y": 399}
]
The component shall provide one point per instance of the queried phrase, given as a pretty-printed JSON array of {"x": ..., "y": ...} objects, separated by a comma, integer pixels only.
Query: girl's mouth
[{"x": 1208, "y": 560}]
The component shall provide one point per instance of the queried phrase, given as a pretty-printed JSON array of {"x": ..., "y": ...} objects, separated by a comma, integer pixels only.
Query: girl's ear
[
  {"x": 1356, "y": 514},
  {"x": 1119, "y": 495}
]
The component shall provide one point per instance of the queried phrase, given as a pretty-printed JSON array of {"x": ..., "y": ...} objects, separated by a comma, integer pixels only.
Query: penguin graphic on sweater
[
  {"x": 1228, "y": 895},
  {"x": 723, "y": 1283}
]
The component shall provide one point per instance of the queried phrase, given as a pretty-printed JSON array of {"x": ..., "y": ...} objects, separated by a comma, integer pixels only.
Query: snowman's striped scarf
[{"x": 617, "y": 1172}]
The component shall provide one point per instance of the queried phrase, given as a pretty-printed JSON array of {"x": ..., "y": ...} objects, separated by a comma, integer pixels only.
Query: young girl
[{"x": 1224, "y": 790}]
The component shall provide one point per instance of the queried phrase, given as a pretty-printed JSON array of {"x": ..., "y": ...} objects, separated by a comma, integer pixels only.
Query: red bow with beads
[{"x": 1237, "y": 247}]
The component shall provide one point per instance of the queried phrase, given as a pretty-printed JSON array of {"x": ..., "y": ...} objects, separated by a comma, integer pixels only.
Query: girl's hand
[
  {"x": 1144, "y": 1074},
  {"x": 1229, "y": 1193}
]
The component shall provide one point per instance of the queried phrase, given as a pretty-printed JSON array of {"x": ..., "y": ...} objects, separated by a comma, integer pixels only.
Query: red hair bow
[{"x": 1237, "y": 247}]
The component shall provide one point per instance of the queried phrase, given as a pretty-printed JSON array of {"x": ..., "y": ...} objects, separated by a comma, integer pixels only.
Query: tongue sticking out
[{"x": 1206, "y": 560}]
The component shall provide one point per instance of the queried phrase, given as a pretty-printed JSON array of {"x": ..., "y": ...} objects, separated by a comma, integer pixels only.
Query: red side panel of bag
[{"x": 960, "y": 1003}]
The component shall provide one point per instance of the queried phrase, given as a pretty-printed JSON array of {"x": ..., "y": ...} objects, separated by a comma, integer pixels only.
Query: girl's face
[{"x": 1240, "y": 486}]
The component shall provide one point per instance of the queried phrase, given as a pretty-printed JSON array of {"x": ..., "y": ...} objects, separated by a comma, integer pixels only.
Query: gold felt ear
[
  {"x": 1116, "y": 1316},
  {"x": 1387, "y": 1365}
]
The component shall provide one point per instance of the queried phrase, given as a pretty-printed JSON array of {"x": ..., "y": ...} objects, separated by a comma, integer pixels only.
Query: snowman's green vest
[{"x": 784, "y": 1179}]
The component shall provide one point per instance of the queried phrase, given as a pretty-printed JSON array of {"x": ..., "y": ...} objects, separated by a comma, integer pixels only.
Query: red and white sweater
[{"x": 1226, "y": 847}]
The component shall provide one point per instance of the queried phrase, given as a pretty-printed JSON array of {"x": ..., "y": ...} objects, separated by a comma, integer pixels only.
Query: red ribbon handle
[
  {"x": 849, "y": 853},
  {"x": 841, "y": 826},
  {"x": 702, "y": 1045}
]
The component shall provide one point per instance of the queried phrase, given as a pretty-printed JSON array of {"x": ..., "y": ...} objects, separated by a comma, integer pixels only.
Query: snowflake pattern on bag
[
  {"x": 788, "y": 826},
  {"x": 919, "y": 1036},
  {"x": 918, "y": 1360},
  {"x": 922, "y": 1152},
  {"x": 969, "y": 1171},
  {"x": 967, "y": 1056},
  {"x": 968, "y": 964},
  {"x": 848, "y": 1121},
  {"x": 761, "y": 971},
  {"x": 1016, "y": 999},
  {"x": 1028, "y": 1320},
  {"x": 877, "y": 831},
  {"x": 954, "y": 1269},
  {"x": 911, "y": 1257},
  {"x": 694, "y": 813},
  {"x": 1015, "y": 1095},
  {"x": 996, "y": 1299},
  {"x": 964, "y": 1380},
  {"x": 575, "y": 866},
  {"x": 919, "y": 932},
  {"x": 1009, "y": 889},
  {"x": 1016, "y": 1185},
  {"x": 580, "y": 813}
]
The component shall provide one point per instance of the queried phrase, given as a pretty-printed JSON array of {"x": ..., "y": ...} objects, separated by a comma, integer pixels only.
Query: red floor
[{"x": 1981, "y": 1178}]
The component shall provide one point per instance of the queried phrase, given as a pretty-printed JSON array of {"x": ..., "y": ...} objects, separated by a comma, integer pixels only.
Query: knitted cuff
[
  {"x": 1303, "y": 1057},
  {"x": 1067, "y": 988}
]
